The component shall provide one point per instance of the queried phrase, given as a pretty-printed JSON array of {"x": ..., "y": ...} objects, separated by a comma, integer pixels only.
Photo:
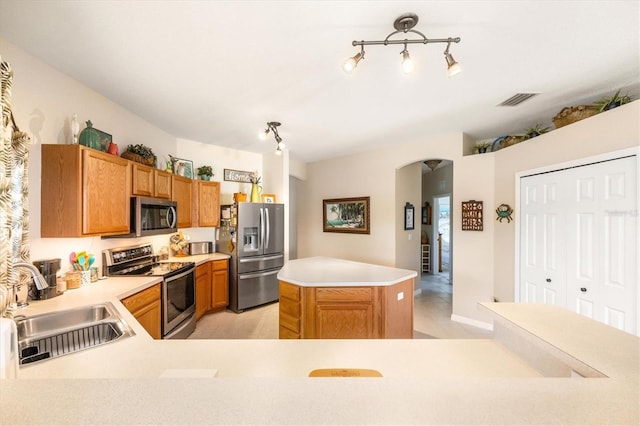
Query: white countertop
[
  {"x": 265, "y": 381},
  {"x": 331, "y": 272}
]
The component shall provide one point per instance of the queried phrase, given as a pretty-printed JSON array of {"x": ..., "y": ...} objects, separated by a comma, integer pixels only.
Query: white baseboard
[{"x": 469, "y": 321}]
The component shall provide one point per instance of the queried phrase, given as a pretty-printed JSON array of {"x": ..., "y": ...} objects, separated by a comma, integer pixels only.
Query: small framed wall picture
[
  {"x": 183, "y": 167},
  {"x": 269, "y": 198},
  {"x": 409, "y": 211}
]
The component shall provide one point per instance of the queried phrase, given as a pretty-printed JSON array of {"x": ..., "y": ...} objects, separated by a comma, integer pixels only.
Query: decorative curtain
[{"x": 14, "y": 201}]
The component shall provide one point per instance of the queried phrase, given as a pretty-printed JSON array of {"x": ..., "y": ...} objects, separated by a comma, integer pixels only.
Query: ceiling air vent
[{"x": 517, "y": 99}]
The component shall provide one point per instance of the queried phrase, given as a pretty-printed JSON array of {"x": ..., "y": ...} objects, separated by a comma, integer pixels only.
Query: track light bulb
[
  {"x": 278, "y": 151},
  {"x": 351, "y": 63},
  {"x": 263, "y": 135},
  {"x": 453, "y": 68},
  {"x": 280, "y": 146},
  {"x": 407, "y": 62}
]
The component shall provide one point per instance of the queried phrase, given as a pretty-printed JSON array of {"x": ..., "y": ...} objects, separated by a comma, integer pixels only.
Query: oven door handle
[
  {"x": 175, "y": 277},
  {"x": 259, "y": 275}
]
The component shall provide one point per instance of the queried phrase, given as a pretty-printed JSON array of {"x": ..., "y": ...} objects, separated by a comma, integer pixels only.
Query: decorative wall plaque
[
  {"x": 237, "y": 175},
  {"x": 472, "y": 215}
]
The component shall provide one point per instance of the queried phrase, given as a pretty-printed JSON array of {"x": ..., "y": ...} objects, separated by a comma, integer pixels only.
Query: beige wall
[
  {"x": 483, "y": 262},
  {"x": 408, "y": 190},
  {"x": 610, "y": 131},
  {"x": 373, "y": 173},
  {"x": 44, "y": 101}
]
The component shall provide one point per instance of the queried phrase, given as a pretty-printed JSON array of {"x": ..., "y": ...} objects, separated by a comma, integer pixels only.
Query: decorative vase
[
  {"x": 255, "y": 192},
  {"x": 113, "y": 148},
  {"x": 89, "y": 137},
  {"x": 205, "y": 177},
  {"x": 75, "y": 128}
]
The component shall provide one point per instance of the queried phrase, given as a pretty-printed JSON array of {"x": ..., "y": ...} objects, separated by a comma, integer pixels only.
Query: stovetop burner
[
  {"x": 164, "y": 268},
  {"x": 139, "y": 260}
]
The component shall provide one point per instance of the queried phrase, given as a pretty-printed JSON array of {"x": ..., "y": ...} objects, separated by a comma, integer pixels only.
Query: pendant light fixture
[
  {"x": 404, "y": 24},
  {"x": 272, "y": 126}
]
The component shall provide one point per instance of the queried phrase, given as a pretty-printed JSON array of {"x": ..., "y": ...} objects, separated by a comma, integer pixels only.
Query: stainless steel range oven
[{"x": 178, "y": 284}]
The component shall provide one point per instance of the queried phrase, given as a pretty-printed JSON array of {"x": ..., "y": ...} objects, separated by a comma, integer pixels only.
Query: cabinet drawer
[
  {"x": 219, "y": 265},
  {"x": 143, "y": 298},
  {"x": 341, "y": 294},
  {"x": 289, "y": 291}
]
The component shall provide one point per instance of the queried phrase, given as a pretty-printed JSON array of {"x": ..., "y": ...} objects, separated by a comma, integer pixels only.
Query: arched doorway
[{"x": 437, "y": 190}]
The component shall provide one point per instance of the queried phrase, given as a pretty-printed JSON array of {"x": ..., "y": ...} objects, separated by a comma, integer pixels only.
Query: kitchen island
[
  {"x": 545, "y": 365},
  {"x": 327, "y": 298}
]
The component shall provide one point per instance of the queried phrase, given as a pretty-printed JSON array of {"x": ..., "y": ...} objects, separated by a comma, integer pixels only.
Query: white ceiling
[{"x": 217, "y": 71}]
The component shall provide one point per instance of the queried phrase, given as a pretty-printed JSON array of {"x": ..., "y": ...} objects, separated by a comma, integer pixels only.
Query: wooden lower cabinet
[
  {"x": 203, "y": 289},
  {"x": 220, "y": 288},
  {"x": 146, "y": 308},
  {"x": 375, "y": 312},
  {"x": 212, "y": 287}
]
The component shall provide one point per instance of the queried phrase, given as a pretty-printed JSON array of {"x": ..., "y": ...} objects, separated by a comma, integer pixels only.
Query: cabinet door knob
[
  {"x": 548, "y": 280},
  {"x": 583, "y": 289}
]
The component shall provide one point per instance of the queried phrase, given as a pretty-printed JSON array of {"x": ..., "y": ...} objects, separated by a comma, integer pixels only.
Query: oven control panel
[{"x": 121, "y": 255}]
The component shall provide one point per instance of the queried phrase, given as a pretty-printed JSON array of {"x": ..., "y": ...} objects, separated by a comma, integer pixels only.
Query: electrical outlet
[{"x": 401, "y": 295}]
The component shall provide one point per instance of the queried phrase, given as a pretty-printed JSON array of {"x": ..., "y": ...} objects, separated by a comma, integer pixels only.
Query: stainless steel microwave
[
  {"x": 150, "y": 216},
  {"x": 153, "y": 216}
]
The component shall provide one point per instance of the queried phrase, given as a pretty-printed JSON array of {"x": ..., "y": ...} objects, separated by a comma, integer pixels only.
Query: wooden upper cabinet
[
  {"x": 163, "y": 184},
  {"x": 84, "y": 192},
  {"x": 150, "y": 182},
  {"x": 182, "y": 194},
  {"x": 206, "y": 203},
  {"x": 143, "y": 182}
]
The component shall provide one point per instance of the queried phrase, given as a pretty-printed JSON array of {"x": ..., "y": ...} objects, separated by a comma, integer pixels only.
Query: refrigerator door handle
[
  {"x": 260, "y": 259},
  {"x": 266, "y": 212},
  {"x": 261, "y": 228},
  {"x": 258, "y": 275}
]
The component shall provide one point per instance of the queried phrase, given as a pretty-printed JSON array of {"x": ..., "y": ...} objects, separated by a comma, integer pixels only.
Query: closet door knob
[
  {"x": 583, "y": 289},
  {"x": 548, "y": 280}
]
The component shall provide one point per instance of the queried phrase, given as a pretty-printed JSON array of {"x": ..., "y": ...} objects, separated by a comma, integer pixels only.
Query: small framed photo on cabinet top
[{"x": 269, "y": 198}]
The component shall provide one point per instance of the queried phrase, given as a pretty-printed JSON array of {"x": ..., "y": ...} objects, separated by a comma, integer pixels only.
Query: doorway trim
[{"x": 613, "y": 155}]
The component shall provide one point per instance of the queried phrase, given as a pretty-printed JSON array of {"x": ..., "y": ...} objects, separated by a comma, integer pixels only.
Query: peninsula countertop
[
  {"x": 331, "y": 272},
  {"x": 425, "y": 381}
]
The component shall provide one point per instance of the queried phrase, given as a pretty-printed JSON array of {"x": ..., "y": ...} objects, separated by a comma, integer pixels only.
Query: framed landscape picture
[{"x": 346, "y": 215}]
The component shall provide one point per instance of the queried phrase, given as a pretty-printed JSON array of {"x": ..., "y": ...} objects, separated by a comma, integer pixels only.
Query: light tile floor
[{"x": 432, "y": 318}]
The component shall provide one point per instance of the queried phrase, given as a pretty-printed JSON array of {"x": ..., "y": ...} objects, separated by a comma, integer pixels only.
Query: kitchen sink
[{"x": 54, "y": 334}]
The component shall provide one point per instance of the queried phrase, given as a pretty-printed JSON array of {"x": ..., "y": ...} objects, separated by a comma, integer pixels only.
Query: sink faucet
[{"x": 38, "y": 279}]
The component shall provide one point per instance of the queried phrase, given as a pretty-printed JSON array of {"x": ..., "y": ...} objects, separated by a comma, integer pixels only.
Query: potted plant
[
  {"x": 205, "y": 172},
  {"x": 534, "y": 131},
  {"x": 140, "y": 154},
  {"x": 482, "y": 146},
  {"x": 607, "y": 103}
]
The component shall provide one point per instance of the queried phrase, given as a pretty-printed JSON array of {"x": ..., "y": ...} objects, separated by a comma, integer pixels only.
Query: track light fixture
[
  {"x": 272, "y": 126},
  {"x": 404, "y": 24}
]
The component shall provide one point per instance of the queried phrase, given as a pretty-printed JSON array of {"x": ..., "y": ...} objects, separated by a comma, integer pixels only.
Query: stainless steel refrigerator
[{"x": 253, "y": 235}]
